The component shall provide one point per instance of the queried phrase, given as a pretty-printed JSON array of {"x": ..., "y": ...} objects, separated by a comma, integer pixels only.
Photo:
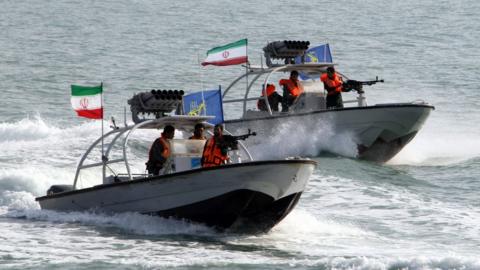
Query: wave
[
  {"x": 302, "y": 240},
  {"x": 413, "y": 263},
  {"x": 27, "y": 129},
  {"x": 34, "y": 179},
  {"x": 439, "y": 148},
  {"x": 37, "y": 128},
  {"x": 17, "y": 201},
  {"x": 35, "y": 141},
  {"x": 22, "y": 205},
  {"x": 302, "y": 225}
]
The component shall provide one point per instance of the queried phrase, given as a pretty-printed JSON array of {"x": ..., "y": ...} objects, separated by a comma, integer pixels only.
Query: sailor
[
  {"x": 160, "y": 151},
  {"x": 273, "y": 99},
  {"x": 215, "y": 152},
  {"x": 292, "y": 88},
  {"x": 333, "y": 84},
  {"x": 198, "y": 132}
]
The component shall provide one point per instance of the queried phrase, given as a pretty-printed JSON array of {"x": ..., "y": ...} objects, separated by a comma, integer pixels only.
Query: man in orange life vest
[
  {"x": 215, "y": 152},
  {"x": 273, "y": 99},
  {"x": 292, "y": 88},
  {"x": 160, "y": 151},
  {"x": 333, "y": 84},
  {"x": 198, "y": 132}
]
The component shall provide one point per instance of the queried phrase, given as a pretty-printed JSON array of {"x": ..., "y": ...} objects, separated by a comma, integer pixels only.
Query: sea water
[{"x": 418, "y": 211}]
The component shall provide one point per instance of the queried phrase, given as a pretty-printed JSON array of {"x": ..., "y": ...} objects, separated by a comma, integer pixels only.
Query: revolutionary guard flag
[
  {"x": 207, "y": 102},
  {"x": 319, "y": 54}
]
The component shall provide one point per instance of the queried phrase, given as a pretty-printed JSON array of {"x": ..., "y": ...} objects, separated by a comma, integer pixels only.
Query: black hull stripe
[{"x": 240, "y": 211}]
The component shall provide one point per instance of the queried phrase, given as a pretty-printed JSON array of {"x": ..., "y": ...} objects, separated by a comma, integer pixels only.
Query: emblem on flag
[
  {"x": 207, "y": 102},
  {"x": 87, "y": 101}
]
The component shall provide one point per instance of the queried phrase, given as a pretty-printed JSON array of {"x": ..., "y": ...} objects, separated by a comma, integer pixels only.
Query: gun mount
[
  {"x": 286, "y": 49},
  {"x": 156, "y": 103}
]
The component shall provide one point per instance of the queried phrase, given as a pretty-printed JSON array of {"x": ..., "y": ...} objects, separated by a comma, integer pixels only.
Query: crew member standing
[
  {"x": 160, "y": 151},
  {"x": 333, "y": 84},
  {"x": 292, "y": 88},
  {"x": 215, "y": 152}
]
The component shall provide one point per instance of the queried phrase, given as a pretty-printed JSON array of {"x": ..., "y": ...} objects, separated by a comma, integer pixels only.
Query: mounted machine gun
[{"x": 358, "y": 85}]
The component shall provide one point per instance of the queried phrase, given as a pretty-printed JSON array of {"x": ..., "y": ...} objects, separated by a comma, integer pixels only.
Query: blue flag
[
  {"x": 205, "y": 103},
  {"x": 319, "y": 54}
]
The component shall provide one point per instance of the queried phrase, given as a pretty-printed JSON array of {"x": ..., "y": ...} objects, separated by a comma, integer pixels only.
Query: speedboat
[
  {"x": 378, "y": 131},
  {"x": 245, "y": 195}
]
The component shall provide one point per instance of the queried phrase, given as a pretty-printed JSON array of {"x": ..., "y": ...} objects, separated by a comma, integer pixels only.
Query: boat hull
[
  {"x": 252, "y": 196},
  {"x": 259, "y": 212},
  {"x": 378, "y": 132}
]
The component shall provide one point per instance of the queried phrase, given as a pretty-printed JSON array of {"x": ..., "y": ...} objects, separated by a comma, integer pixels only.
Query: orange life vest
[
  {"x": 212, "y": 154},
  {"x": 270, "y": 89},
  {"x": 166, "y": 148},
  {"x": 294, "y": 87},
  {"x": 335, "y": 83}
]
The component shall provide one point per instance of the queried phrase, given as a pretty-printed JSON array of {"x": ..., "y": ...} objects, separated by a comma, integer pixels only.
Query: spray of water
[
  {"x": 440, "y": 145},
  {"x": 312, "y": 137}
]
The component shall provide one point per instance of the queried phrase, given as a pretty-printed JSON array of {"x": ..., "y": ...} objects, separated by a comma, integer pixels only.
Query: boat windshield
[{"x": 187, "y": 148}]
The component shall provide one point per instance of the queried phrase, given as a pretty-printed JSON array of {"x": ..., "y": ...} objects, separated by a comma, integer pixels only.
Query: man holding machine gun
[
  {"x": 333, "y": 84},
  {"x": 216, "y": 148},
  {"x": 215, "y": 152}
]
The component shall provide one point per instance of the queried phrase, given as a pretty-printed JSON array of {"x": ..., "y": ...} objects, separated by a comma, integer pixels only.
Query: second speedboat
[{"x": 379, "y": 131}]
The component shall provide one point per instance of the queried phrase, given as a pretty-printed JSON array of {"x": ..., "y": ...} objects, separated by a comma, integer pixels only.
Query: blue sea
[{"x": 421, "y": 210}]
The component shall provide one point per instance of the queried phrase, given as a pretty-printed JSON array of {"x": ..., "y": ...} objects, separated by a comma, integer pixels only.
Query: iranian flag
[
  {"x": 87, "y": 101},
  {"x": 231, "y": 54}
]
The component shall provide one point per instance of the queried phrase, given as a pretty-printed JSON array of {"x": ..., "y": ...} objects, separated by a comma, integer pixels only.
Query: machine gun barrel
[
  {"x": 244, "y": 136},
  {"x": 371, "y": 82},
  {"x": 231, "y": 141}
]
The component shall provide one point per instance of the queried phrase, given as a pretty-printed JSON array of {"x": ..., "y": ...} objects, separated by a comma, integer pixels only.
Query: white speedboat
[
  {"x": 247, "y": 196},
  {"x": 379, "y": 131}
]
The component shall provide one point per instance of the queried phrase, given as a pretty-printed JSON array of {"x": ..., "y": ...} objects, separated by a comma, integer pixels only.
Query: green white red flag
[
  {"x": 87, "y": 101},
  {"x": 231, "y": 54}
]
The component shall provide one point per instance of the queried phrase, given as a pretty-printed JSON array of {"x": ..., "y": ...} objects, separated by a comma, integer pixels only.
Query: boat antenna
[
  {"x": 125, "y": 115},
  {"x": 202, "y": 86},
  {"x": 261, "y": 62},
  {"x": 114, "y": 125},
  {"x": 246, "y": 76},
  {"x": 104, "y": 158}
]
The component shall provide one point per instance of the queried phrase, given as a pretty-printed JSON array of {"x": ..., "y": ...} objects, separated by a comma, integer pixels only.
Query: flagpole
[
  {"x": 246, "y": 78},
  {"x": 104, "y": 159}
]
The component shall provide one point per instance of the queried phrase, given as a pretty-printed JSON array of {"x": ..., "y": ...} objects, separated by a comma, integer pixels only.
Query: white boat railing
[
  {"x": 105, "y": 160},
  {"x": 127, "y": 131},
  {"x": 316, "y": 68}
]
